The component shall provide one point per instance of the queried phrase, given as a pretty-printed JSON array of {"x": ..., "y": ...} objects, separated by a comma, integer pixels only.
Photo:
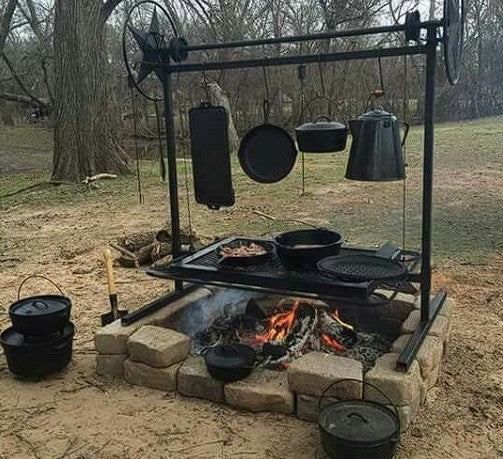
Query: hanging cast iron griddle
[
  {"x": 454, "y": 19},
  {"x": 267, "y": 152},
  {"x": 211, "y": 164},
  {"x": 362, "y": 267}
]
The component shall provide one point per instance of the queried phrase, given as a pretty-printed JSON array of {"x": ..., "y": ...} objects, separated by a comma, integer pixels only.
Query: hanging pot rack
[{"x": 167, "y": 55}]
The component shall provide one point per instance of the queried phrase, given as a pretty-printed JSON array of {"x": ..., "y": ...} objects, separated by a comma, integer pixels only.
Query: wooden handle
[{"x": 107, "y": 256}]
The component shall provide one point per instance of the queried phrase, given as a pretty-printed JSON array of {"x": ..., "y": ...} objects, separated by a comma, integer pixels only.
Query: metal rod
[
  {"x": 310, "y": 37},
  {"x": 429, "y": 116},
  {"x": 172, "y": 174},
  {"x": 157, "y": 304},
  {"x": 409, "y": 353},
  {"x": 292, "y": 60}
]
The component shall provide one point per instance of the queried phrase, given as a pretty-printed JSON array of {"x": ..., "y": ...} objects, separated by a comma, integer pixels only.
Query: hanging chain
[
  {"x": 405, "y": 109},
  {"x": 302, "y": 78},
  {"x": 162, "y": 164},
  {"x": 136, "y": 147},
  {"x": 185, "y": 170}
]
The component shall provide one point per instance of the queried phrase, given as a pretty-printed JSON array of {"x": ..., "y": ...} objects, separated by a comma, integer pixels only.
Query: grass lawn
[{"x": 468, "y": 203}]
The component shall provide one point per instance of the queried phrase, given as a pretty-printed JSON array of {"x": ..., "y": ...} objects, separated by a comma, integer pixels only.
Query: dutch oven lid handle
[
  {"x": 40, "y": 276},
  {"x": 365, "y": 383},
  {"x": 322, "y": 118}
]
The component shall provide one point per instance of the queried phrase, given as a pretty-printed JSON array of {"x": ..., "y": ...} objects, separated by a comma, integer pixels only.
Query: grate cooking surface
[
  {"x": 270, "y": 275},
  {"x": 362, "y": 267}
]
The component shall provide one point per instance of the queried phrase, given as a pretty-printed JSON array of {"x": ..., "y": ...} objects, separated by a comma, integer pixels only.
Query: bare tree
[{"x": 85, "y": 138}]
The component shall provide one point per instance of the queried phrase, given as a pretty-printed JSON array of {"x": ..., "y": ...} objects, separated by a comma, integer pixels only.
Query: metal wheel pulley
[
  {"x": 453, "y": 38},
  {"x": 155, "y": 45}
]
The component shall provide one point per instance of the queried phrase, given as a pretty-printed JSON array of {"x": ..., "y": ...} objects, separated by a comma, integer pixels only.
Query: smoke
[{"x": 198, "y": 316}]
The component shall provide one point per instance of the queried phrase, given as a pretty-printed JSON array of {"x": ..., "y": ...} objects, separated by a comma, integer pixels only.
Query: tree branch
[
  {"x": 20, "y": 83},
  {"x": 5, "y": 23},
  {"x": 108, "y": 7}
]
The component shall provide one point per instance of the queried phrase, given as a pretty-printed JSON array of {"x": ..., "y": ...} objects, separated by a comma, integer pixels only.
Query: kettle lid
[{"x": 377, "y": 113}]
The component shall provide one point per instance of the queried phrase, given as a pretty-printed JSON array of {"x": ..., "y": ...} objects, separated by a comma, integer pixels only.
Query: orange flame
[
  {"x": 279, "y": 325},
  {"x": 332, "y": 342}
]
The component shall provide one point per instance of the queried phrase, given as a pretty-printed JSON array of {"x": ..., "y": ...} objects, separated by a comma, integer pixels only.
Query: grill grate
[{"x": 270, "y": 275}]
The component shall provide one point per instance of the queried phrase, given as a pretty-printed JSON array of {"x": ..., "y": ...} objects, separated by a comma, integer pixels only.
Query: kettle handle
[
  {"x": 406, "y": 133},
  {"x": 322, "y": 118}
]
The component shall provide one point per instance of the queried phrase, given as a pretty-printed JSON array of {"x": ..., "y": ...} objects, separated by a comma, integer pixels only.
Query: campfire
[{"x": 285, "y": 330}]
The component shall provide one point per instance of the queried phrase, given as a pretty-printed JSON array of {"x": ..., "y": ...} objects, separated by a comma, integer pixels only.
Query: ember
[{"x": 279, "y": 325}]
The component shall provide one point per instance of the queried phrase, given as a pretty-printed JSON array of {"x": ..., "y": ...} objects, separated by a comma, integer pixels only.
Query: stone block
[
  {"x": 406, "y": 414},
  {"x": 157, "y": 346},
  {"x": 139, "y": 374},
  {"x": 307, "y": 406},
  {"x": 440, "y": 326},
  {"x": 402, "y": 388},
  {"x": 195, "y": 381},
  {"x": 263, "y": 390},
  {"x": 433, "y": 377},
  {"x": 429, "y": 355},
  {"x": 112, "y": 339},
  {"x": 110, "y": 365},
  {"x": 312, "y": 373},
  {"x": 447, "y": 308}
]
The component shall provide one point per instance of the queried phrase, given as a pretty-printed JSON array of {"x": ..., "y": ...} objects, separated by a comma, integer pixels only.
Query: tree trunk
[{"x": 84, "y": 136}]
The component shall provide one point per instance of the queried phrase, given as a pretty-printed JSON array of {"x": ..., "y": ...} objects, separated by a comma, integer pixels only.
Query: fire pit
[{"x": 302, "y": 346}]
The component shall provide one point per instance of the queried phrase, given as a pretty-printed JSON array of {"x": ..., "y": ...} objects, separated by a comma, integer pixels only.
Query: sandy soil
[{"x": 77, "y": 414}]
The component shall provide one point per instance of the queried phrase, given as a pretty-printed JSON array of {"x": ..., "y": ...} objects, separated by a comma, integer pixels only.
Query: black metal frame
[{"x": 165, "y": 69}]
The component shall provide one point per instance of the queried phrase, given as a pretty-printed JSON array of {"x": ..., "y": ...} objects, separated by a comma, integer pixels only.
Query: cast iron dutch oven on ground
[
  {"x": 34, "y": 357},
  {"x": 321, "y": 136},
  {"x": 305, "y": 247},
  {"x": 359, "y": 429},
  {"x": 42, "y": 314},
  {"x": 267, "y": 153},
  {"x": 230, "y": 362}
]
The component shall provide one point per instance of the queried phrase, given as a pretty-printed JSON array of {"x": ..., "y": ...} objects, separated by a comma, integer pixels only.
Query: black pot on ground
[
  {"x": 230, "y": 362},
  {"x": 359, "y": 429},
  {"x": 304, "y": 248},
  {"x": 35, "y": 357},
  {"x": 40, "y": 315}
]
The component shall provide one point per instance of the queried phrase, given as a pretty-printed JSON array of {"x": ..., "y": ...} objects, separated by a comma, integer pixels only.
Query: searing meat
[{"x": 244, "y": 250}]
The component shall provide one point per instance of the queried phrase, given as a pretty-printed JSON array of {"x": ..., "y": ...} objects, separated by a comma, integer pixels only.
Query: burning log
[{"x": 335, "y": 332}]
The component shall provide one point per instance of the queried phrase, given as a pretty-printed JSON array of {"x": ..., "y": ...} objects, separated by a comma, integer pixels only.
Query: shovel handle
[{"x": 107, "y": 256}]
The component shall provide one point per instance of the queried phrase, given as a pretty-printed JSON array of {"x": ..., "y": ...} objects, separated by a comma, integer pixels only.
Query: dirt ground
[{"x": 77, "y": 414}]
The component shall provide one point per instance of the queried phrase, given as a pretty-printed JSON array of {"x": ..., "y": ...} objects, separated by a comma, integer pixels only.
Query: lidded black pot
[
  {"x": 40, "y": 340},
  {"x": 359, "y": 429},
  {"x": 321, "y": 136}
]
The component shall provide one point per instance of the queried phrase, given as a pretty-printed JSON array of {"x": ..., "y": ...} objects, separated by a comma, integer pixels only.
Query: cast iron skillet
[
  {"x": 267, "y": 152},
  {"x": 244, "y": 261},
  {"x": 230, "y": 362},
  {"x": 303, "y": 248}
]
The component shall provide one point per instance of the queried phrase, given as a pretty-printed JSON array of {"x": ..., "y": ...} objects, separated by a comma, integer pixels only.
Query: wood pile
[{"x": 150, "y": 248}]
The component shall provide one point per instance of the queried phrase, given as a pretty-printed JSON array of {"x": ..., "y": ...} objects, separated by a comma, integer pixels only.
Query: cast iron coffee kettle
[{"x": 376, "y": 150}]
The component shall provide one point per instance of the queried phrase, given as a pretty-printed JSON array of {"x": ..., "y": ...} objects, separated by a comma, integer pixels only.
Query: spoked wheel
[
  {"x": 453, "y": 39},
  {"x": 145, "y": 44}
]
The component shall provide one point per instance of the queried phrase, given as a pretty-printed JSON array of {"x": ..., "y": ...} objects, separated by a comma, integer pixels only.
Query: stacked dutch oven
[{"x": 40, "y": 340}]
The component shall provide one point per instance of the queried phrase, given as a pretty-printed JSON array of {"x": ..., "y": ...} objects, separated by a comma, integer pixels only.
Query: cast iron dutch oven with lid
[
  {"x": 230, "y": 362},
  {"x": 321, "y": 136},
  {"x": 34, "y": 357},
  {"x": 40, "y": 315},
  {"x": 359, "y": 429}
]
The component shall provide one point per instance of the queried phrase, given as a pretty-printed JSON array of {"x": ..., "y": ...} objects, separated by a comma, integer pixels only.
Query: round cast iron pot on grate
[
  {"x": 303, "y": 248},
  {"x": 359, "y": 429},
  {"x": 34, "y": 357},
  {"x": 230, "y": 362}
]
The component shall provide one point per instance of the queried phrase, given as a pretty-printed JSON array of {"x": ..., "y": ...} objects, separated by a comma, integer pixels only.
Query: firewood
[
  {"x": 144, "y": 254},
  {"x": 160, "y": 250}
]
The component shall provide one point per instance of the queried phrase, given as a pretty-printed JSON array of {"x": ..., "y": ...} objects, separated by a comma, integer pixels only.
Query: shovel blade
[{"x": 109, "y": 317}]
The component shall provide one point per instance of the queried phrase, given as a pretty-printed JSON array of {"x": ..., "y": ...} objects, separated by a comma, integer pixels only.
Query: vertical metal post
[
  {"x": 172, "y": 174},
  {"x": 429, "y": 115}
]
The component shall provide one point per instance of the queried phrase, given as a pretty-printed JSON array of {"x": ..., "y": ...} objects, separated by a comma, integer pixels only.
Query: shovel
[{"x": 115, "y": 313}]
